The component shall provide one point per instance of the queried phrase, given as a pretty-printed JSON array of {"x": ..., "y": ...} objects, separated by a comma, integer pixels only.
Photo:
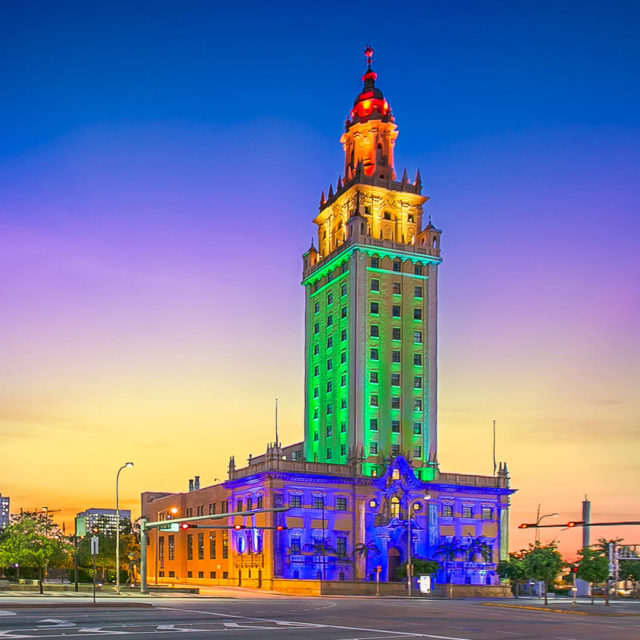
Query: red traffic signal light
[
  {"x": 524, "y": 525},
  {"x": 575, "y": 523},
  {"x": 186, "y": 525},
  {"x": 237, "y": 527},
  {"x": 574, "y": 569},
  {"x": 279, "y": 528}
]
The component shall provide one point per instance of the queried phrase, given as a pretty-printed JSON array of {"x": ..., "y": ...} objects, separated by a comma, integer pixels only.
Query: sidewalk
[{"x": 582, "y": 607}]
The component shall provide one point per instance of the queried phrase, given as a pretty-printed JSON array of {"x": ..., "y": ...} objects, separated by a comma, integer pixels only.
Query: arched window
[
  {"x": 395, "y": 507},
  {"x": 435, "y": 242},
  {"x": 395, "y": 475},
  {"x": 387, "y": 215}
]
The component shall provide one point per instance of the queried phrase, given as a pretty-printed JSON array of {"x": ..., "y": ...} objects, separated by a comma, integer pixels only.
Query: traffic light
[
  {"x": 237, "y": 527},
  {"x": 279, "y": 528},
  {"x": 574, "y": 569},
  {"x": 575, "y": 523},
  {"x": 188, "y": 525},
  {"x": 524, "y": 525}
]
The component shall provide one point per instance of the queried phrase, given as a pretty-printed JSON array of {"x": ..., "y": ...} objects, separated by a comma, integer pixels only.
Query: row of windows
[
  {"x": 316, "y": 347},
  {"x": 318, "y": 502},
  {"x": 396, "y": 356},
  {"x": 486, "y": 513},
  {"x": 212, "y": 574},
  {"x": 200, "y": 539},
  {"x": 295, "y": 545},
  {"x": 374, "y": 400},
  {"x": 329, "y": 452},
  {"x": 395, "y": 426},
  {"x": 397, "y": 266},
  {"x": 395, "y": 450}
]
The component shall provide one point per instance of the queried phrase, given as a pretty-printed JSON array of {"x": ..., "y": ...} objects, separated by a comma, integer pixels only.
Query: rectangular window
[
  {"x": 330, "y": 298},
  {"x": 212, "y": 545},
  {"x": 343, "y": 427},
  {"x": 417, "y": 428},
  {"x": 373, "y": 377},
  {"x": 373, "y": 401},
  {"x": 329, "y": 409},
  {"x": 343, "y": 357},
  {"x": 397, "y": 265},
  {"x": 417, "y": 359},
  {"x": 225, "y": 545},
  {"x": 343, "y": 449},
  {"x": 395, "y": 379},
  {"x": 486, "y": 513},
  {"x": 395, "y": 333},
  {"x": 374, "y": 331},
  {"x": 397, "y": 288},
  {"x": 316, "y": 392},
  {"x": 417, "y": 292},
  {"x": 318, "y": 502},
  {"x": 328, "y": 431},
  {"x": 239, "y": 505},
  {"x": 375, "y": 284},
  {"x": 329, "y": 386},
  {"x": 316, "y": 370},
  {"x": 200, "y": 574},
  {"x": 190, "y": 547},
  {"x": 329, "y": 364},
  {"x": 447, "y": 511},
  {"x": 373, "y": 448},
  {"x": 395, "y": 426},
  {"x": 189, "y": 574},
  {"x": 212, "y": 575},
  {"x": 417, "y": 452},
  {"x": 374, "y": 354},
  {"x": 343, "y": 403},
  {"x": 316, "y": 327},
  {"x": 417, "y": 269},
  {"x": 343, "y": 334},
  {"x": 375, "y": 262},
  {"x": 343, "y": 290},
  {"x": 161, "y": 549},
  {"x": 201, "y": 546},
  {"x": 225, "y": 575},
  {"x": 316, "y": 307},
  {"x": 395, "y": 311},
  {"x": 328, "y": 454},
  {"x": 172, "y": 574},
  {"x": 375, "y": 308},
  {"x": 341, "y": 546},
  {"x": 315, "y": 413},
  {"x": 329, "y": 320},
  {"x": 395, "y": 450},
  {"x": 329, "y": 342},
  {"x": 417, "y": 404},
  {"x": 316, "y": 350},
  {"x": 467, "y": 512},
  {"x": 343, "y": 312},
  {"x": 341, "y": 504},
  {"x": 295, "y": 544},
  {"x": 417, "y": 314},
  {"x": 343, "y": 380},
  {"x": 395, "y": 356},
  {"x": 259, "y": 502},
  {"x": 395, "y": 402},
  {"x": 417, "y": 382},
  {"x": 417, "y": 337}
]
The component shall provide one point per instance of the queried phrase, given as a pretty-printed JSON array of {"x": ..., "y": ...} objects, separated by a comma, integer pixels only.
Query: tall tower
[{"x": 370, "y": 306}]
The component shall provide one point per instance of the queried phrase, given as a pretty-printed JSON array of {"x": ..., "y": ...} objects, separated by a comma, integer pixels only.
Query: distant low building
[
  {"x": 103, "y": 519},
  {"x": 4, "y": 511}
]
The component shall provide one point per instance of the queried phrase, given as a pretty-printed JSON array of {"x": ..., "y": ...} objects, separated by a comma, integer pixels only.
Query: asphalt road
[{"x": 311, "y": 619}]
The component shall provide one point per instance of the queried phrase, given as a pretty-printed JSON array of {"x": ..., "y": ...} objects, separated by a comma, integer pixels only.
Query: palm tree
[
  {"x": 449, "y": 549},
  {"x": 362, "y": 551},
  {"x": 479, "y": 547}
]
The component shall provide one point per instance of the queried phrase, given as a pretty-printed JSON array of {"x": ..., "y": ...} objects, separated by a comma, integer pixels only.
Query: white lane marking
[
  {"x": 55, "y": 623},
  {"x": 101, "y": 630},
  {"x": 7, "y": 613},
  {"x": 172, "y": 627},
  {"x": 11, "y": 634},
  {"x": 397, "y": 634}
]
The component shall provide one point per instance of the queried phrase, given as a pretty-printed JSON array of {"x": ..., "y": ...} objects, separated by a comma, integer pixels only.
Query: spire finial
[{"x": 368, "y": 52}]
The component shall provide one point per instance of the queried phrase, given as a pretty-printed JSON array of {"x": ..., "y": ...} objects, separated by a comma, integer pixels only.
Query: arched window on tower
[{"x": 395, "y": 507}]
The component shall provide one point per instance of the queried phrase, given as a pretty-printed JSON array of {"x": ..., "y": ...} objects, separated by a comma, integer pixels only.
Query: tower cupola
[{"x": 370, "y": 130}]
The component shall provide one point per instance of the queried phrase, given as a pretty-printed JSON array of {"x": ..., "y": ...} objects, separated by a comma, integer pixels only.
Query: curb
[
  {"x": 566, "y": 611},
  {"x": 76, "y": 605}
]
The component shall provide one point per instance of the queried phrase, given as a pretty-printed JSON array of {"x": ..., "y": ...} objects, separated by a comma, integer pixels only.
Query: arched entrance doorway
[{"x": 393, "y": 564}]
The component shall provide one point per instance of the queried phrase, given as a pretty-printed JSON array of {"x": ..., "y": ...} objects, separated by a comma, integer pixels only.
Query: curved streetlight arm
[{"x": 124, "y": 466}]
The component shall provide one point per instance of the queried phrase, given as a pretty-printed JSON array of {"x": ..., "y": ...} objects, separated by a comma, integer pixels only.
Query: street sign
[
  {"x": 173, "y": 526},
  {"x": 94, "y": 545}
]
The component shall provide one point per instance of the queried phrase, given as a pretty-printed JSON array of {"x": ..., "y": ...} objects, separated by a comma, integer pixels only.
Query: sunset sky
[{"x": 160, "y": 166}]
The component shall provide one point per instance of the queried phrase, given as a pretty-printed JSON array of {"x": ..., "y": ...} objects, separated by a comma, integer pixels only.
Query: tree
[
  {"x": 33, "y": 540},
  {"x": 593, "y": 566},
  {"x": 361, "y": 553},
  {"x": 542, "y": 563},
  {"x": 421, "y": 566},
  {"x": 478, "y": 547},
  {"x": 513, "y": 570},
  {"x": 630, "y": 570}
]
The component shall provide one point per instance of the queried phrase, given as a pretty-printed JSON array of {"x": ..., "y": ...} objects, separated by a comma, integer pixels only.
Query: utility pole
[{"x": 586, "y": 518}]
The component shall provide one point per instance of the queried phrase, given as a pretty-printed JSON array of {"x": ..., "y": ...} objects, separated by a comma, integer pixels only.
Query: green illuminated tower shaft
[{"x": 371, "y": 306}]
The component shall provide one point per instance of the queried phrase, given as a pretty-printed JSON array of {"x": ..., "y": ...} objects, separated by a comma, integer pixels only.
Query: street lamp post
[
  {"x": 412, "y": 505},
  {"x": 124, "y": 466},
  {"x": 539, "y": 519}
]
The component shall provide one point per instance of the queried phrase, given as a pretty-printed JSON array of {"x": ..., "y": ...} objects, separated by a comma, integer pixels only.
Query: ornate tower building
[{"x": 371, "y": 306}]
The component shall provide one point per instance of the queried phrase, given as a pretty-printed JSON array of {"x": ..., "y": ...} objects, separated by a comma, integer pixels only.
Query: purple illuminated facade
[{"x": 364, "y": 488}]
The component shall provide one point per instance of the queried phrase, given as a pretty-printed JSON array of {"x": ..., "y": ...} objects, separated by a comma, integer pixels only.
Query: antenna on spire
[
  {"x": 276, "y": 422},
  {"x": 368, "y": 52}
]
